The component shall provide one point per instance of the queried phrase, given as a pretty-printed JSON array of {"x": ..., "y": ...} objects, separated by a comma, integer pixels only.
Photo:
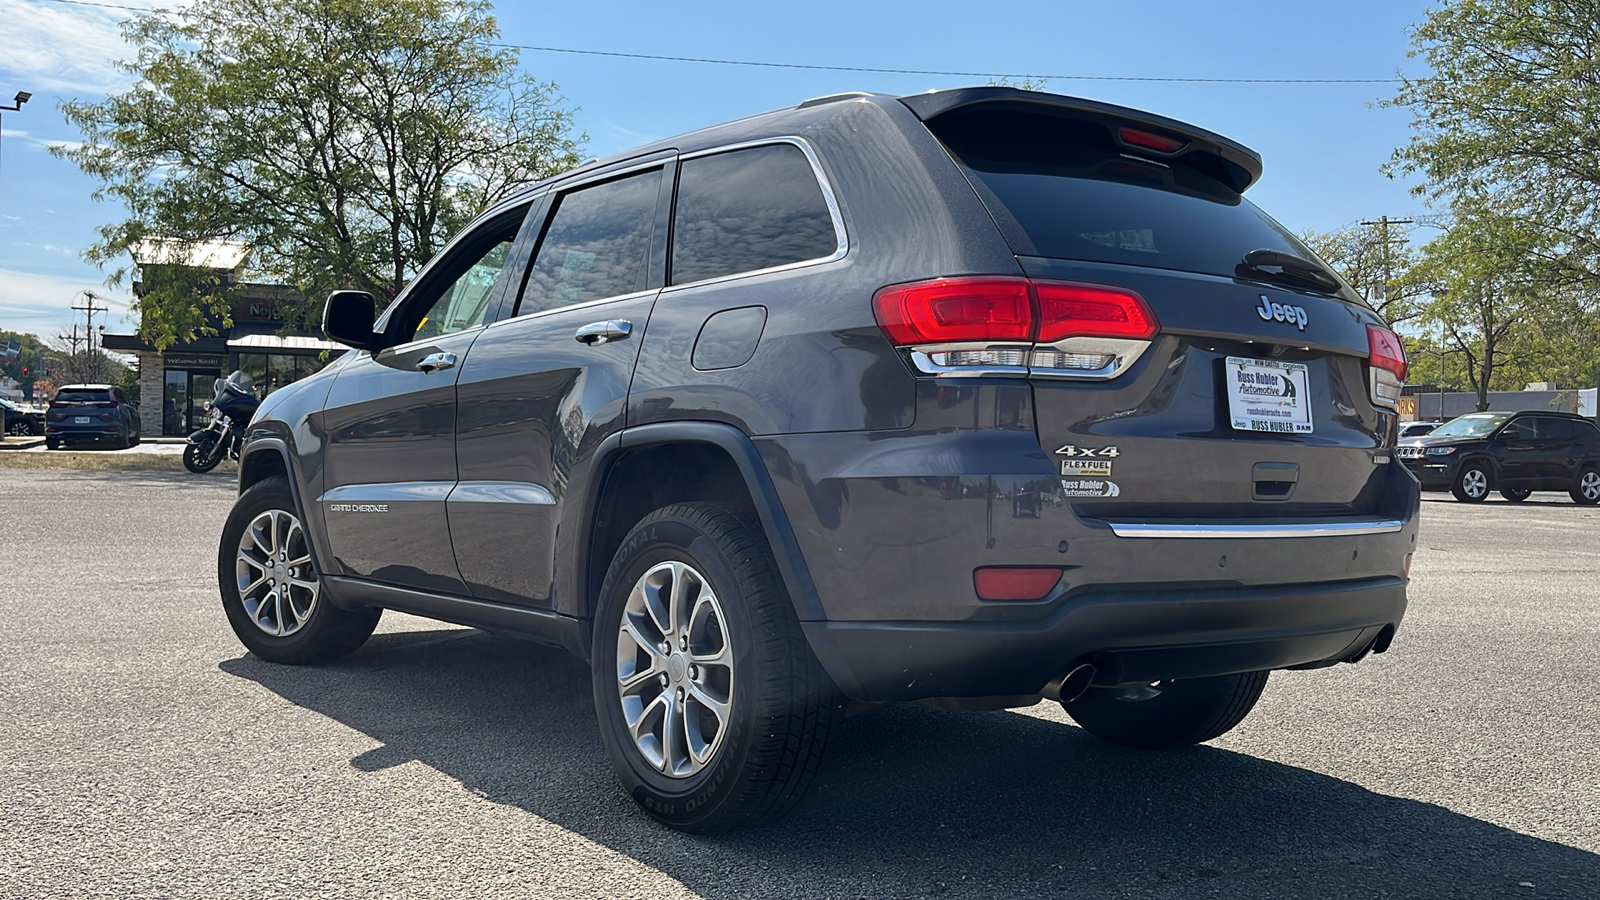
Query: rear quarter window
[{"x": 745, "y": 210}]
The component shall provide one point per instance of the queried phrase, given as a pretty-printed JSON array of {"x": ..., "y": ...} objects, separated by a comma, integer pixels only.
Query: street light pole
[{"x": 21, "y": 98}]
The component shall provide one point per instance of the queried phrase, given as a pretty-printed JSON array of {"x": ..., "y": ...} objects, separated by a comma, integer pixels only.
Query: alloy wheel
[
  {"x": 675, "y": 669},
  {"x": 1475, "y": 483},
  {"x": 276, "y": 579},
  {"x": 1589, "y": 485}
]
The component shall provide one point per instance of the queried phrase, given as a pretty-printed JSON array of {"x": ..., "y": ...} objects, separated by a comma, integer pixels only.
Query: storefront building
[{"x": 176, "y": 385}]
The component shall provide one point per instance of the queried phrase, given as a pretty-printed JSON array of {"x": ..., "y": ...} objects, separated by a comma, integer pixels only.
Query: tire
[
  {"x": 19, "y": 428},
  {"x": 1472, "y": 483},
  {"x": 1168, "y": 714},
  {"x": 200, "y": 459},
  {"x": 1586, "y": 488},
  {"x": 301, "y": 626},
  {"x": 133, "y": 441},
  {"x": 768, "y": 742},
  {"x": 52, "y": 443},
  {"x": 1516, "y": 495}
]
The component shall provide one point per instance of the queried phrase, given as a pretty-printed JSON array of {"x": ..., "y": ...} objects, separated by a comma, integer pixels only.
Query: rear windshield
[
  {"x": 82, "y": 395},
  {"x": 1061, "y": 188}
]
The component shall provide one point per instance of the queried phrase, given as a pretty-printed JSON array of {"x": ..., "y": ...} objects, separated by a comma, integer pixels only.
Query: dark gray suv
[{"x": 976, "y": 397}]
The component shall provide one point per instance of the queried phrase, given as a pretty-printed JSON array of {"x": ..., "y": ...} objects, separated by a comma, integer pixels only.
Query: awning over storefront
[{"x": 262, "y": 343}]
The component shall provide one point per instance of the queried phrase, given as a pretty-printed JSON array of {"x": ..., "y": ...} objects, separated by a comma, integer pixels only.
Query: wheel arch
[
  {"x": 641, "y": 469},
  {"x": 267, "y": 456}
]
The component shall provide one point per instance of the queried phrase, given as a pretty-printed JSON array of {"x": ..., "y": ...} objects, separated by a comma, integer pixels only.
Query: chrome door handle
[
  {"x": 434, "y": 362},
  {"x": 596, "y": 333}
]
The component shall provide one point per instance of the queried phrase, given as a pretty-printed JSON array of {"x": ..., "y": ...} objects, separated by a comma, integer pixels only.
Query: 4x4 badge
[{"x": 1100, "y": 452}]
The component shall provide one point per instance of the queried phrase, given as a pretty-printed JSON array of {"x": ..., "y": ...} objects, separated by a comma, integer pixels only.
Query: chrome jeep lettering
[{"x": 1282, "y": 312}]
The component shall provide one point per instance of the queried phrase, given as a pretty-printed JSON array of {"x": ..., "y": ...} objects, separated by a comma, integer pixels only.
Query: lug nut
[
  {"x": 680, "y": 693},
  {"x": 683, "y": 642},
  {"x": 666, "y": 647},
  {"x": 663, "y": 679},
  {"x": 694, "y": 671}
]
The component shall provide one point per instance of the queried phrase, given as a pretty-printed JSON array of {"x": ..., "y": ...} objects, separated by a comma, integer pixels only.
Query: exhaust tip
[{"x": 1071, "y": 686}]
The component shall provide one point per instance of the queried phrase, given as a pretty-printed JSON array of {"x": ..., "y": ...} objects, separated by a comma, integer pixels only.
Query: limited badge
[
  {"x": 1081, "y": 467},
  {"x": 1089, "y": 487}
]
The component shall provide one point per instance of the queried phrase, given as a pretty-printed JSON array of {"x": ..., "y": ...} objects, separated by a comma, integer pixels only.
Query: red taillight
[
  {"x": 1149, "y": 141},
  {"x": 1001, "y": 310},
  {"x": 956, "y": 309},
  {"x": 1386, "y": 352},
  {"x": 1082, "y": 310},
  {"x": 1008, "y": 583}
]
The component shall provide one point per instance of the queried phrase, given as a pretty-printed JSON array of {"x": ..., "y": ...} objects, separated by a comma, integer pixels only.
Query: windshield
[{"x": 1471, "y": 425}]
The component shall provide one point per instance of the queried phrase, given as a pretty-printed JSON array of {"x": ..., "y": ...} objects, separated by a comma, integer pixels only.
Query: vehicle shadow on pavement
[{"x": 916, "y": 802}]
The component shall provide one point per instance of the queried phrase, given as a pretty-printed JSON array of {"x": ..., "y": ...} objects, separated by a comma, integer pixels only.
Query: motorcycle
[{"x": 223, "y": 434}]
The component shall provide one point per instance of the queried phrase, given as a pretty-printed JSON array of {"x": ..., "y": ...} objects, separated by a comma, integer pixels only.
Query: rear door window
[
  {"x": 746, "y": 210},
  {"x": 597, "y": 244},
  {"x": 1062, "y": 188}
]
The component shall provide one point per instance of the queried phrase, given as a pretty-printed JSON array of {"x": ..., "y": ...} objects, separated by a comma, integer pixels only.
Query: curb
[{"x": 77, "y": 461}]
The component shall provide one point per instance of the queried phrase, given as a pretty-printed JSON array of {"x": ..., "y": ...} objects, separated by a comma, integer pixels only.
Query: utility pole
[
  {"x": 88, "y": 309},
  {"x": 1383, "y": 223}
]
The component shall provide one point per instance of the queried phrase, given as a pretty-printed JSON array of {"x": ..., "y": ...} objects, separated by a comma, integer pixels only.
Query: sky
[{"x": 1323, "y": 144}]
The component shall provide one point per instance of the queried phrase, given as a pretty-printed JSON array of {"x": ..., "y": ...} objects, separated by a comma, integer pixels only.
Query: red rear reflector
[
  {"x": 1385, "y": 351},
  {"x": 1006, "y": 583},
  {"x": 1007, "y": 310},
  {"x": 1081, "y": 310},
  {"x": 1157, "y": 142},
  {"x": 956, "y": 309}
]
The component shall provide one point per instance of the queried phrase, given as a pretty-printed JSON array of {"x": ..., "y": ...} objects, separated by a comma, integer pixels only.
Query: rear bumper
[
  {"x": 1130, "y": 636},
  {"x": 83, "y": 432}
]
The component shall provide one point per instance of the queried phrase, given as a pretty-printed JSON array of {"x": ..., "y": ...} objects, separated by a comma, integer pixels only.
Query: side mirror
[{"x": 348, "y": 317}]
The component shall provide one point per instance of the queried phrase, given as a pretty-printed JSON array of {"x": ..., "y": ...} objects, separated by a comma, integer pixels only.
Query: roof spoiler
[{"x": 1230, "y": 162}]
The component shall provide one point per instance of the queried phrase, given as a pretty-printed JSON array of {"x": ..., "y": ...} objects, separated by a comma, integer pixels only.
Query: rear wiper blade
[{"x": 1291, "y": 268}]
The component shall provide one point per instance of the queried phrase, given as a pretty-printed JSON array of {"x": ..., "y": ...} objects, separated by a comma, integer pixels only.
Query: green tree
[
  {"x": 343, "y": 141},
  {"x": 1510, "y": 117},
  {"x": 29, "y": 365},
  {"x": 1359, "y": 254},
  {"x": 1483, "y": 289}
]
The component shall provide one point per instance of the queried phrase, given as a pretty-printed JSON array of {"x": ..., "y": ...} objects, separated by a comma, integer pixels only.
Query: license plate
[
  {"x": 1269, "y": 395},
  {"x": 80, "y": 420}
]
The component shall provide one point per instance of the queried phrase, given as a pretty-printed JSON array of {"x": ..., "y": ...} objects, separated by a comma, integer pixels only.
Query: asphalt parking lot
[{"x": 142, "y": 753}]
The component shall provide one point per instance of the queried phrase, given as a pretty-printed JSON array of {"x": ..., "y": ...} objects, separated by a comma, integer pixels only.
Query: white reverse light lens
[
  {"x": 1083, "y": 362},
  {"x": 979, "y": 357}
]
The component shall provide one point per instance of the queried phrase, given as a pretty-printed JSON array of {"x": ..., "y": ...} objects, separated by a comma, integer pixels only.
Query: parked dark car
[
  {"x": 92, "y": 413},
  {"x": 16, "y": 421},
  {"x": 978, "y": 397},
  {"x": 1514, "y": 453}
]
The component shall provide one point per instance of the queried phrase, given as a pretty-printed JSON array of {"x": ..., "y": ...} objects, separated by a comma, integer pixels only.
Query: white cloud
[
  {"x": 61, "y": 48},
  {"x": 39, "y": 303}
]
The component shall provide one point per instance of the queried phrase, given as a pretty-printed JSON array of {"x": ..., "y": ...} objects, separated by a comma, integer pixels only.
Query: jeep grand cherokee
[{"x": 979, "y": 396}]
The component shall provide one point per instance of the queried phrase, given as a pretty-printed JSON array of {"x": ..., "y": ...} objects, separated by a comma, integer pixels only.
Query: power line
[{"x": 865, "y": 69}]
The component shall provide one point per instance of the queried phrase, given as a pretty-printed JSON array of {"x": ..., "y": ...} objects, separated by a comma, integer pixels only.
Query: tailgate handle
[{"x": 1273, "y": 480}]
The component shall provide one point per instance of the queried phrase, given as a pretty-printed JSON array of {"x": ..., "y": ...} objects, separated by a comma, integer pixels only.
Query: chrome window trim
[
  {"x": 842, "y": 238},
  {"x": 617, "y": 298},
  {"x": 1276, "y": 530},
  {"x": 423, "y": 342},
  {"x": 381, "y": 323}
]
